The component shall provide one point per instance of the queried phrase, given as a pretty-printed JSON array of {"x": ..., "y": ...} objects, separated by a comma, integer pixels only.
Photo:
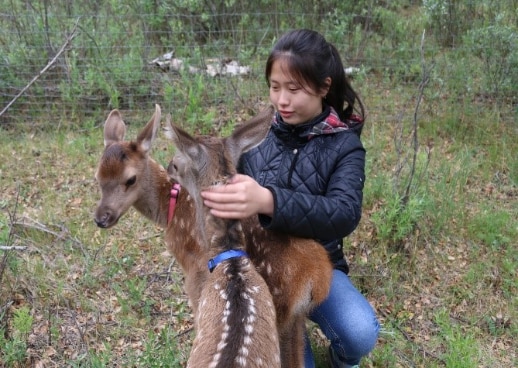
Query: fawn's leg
[{"x": 292, "y": 343}]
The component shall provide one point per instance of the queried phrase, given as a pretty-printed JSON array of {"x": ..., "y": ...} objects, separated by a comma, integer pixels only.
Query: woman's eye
[{"x": 131, "y": 181}]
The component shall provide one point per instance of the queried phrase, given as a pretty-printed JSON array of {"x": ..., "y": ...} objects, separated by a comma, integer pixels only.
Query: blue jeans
[{"x": 348, "y": 321}]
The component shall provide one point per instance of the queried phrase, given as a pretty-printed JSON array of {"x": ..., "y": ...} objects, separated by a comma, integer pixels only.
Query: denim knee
[
  {"x": 357, "y": 338},
  {"x": 347, "y": 319}
]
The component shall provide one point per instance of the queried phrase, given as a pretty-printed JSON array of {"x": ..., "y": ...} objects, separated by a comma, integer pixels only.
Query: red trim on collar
[{"x": 173, "y": 196}]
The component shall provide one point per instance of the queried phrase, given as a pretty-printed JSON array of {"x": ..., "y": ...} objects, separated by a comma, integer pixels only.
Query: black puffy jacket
[{"x": 317, "y": 183}]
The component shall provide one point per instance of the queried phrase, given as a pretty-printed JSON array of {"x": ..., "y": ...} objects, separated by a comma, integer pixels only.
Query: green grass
[{"x": 440, "y": 270}]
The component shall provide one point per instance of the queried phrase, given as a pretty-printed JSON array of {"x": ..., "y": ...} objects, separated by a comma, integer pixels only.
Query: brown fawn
[
  {"x": 235, "y": 309},
  {"x": 297, "y": 271}
]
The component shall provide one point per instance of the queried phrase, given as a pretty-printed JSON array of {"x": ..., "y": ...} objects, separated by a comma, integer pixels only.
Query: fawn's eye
[{"x": 131, "y": 181}]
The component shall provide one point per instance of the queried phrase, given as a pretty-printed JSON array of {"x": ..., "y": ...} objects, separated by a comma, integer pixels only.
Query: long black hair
[{"x": 310, "y": 59}]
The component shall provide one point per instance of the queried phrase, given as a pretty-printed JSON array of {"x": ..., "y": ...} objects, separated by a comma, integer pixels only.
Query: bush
[{"x": 497, "y": 47}]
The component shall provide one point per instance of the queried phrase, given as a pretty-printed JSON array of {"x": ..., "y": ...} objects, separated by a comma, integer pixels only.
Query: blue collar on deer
[{"x": 223, "y": 256}]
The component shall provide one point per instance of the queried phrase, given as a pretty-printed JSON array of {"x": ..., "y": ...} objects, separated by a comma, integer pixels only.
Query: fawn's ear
[
  {"x": 249, "y": 134},
  {"x": 114, "y": 128},
  {"x": 184, "y": 143},
  {"x": 148, "y": 134},
  {"x": 188, "y": 151}
]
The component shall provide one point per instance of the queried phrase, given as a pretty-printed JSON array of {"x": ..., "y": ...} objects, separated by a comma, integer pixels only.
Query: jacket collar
[{"x": 298, "y": 135}]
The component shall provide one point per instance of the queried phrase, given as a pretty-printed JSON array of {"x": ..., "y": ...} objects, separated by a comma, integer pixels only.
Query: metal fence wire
[{"x": 75, "y": 60}]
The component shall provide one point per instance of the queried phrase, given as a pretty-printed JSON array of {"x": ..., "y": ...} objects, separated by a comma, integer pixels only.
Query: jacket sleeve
[{"x": 331, "y": 215}]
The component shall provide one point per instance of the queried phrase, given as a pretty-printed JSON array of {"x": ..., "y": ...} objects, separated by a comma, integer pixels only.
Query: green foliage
[
  {"x": 484, "y": 35},
  {"x": 395, "y": 221},
  {"x": 22, "y": 322},
  {"x": 196, "y": 97},
  {"x": 493, "y": 227},
  {"x": 449, "y": 19},
  {"x": 108, "y": 63},
  {"x": 160, "y": 350},
  {"x": 14, "y": 349},
  {"x": 95, "y": 359},
  {"x": 386, "y": 355},
  {"x": 497, "y": 47},
  {"x": 4, "y": 228},
  {"x": 462, "y": 350}
]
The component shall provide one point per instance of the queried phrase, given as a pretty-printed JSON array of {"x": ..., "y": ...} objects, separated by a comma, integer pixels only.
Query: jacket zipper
[{"x": 292, "y": 166}]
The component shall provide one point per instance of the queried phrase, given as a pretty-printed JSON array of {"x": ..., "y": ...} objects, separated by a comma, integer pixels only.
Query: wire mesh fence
[{"x": 67, "y": 61}]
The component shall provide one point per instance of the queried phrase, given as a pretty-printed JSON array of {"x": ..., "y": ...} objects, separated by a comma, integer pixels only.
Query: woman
[{"x": 306, "y": 179}]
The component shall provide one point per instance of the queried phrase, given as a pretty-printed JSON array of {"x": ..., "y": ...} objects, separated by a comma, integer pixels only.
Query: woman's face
[{"x": 295, "y": 103}]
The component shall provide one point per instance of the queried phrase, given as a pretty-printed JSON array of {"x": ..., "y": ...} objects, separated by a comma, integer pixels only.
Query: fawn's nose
[{"x": 103, "y": 221}]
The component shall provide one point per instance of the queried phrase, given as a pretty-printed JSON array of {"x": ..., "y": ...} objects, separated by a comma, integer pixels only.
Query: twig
[
  {"x": 37, "y": 226},
  {"x": 424, "y": 82},
  {"x": 44, "y": 70},
  {"x": 184, "y": 332},
  {"x": 144, "y": 238},
  {"x": 169, "y": 269},
  {"x": 13, "y": 247},
  {"x": 398, "y": 143},
  {"x": 64, "y": 232},
  {"x": 98, "y": 251},
  {"x": 10, "y": 238},
  {"x": 5, "y": 307},
  {"x": 239, "y": 97}
]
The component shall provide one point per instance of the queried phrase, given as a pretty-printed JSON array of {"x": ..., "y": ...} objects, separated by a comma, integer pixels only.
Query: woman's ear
[{"x": 325, "y": 89}]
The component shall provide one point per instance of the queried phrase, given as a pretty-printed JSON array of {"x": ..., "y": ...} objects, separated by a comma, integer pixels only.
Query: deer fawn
[
  {"x": 297, "y": 271},
  {"x": 128, "y": 177},
  {"x": 235, "y": 307}
]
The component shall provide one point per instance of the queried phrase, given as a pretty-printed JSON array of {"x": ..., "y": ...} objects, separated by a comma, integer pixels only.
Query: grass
[{"x": 440, "y": 272}]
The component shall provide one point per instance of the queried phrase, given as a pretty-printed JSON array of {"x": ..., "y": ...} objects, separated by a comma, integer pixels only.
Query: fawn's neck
[
  {"x": 223, "y": 234},
  {"x": 154, "y": 203}
]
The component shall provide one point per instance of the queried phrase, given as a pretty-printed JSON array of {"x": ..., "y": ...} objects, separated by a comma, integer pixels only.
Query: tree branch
[
  {"x": 44, "y": 70},
  {"x": 415, "y": 139},
  {"x": 12, "y": 247}
]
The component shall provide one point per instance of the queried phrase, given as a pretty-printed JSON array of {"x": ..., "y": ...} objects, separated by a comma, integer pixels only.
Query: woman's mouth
[{"x": 286, "y": 114}]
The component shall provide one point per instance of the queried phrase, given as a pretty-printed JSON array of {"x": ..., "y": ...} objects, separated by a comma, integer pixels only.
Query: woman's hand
[{"x": 240, "y": 198}]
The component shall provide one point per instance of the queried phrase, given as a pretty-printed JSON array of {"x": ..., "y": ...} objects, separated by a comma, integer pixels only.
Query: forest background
[{"x": 435, "y": 252}]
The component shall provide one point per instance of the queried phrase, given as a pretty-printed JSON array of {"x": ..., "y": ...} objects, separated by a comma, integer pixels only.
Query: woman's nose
[{"x": 283, "y": 98}]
